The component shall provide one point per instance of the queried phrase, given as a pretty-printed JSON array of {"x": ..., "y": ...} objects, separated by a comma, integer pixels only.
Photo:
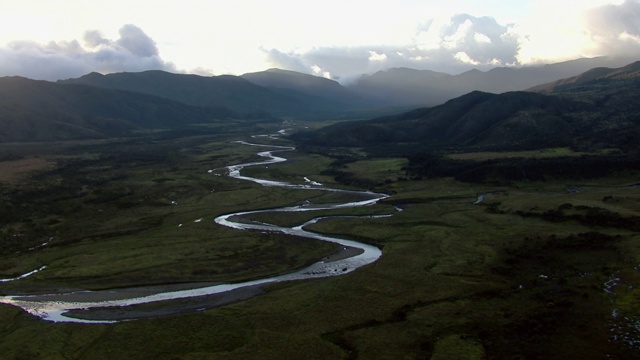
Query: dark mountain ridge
[
  {"x": 98, "y": 105},
  {"x": 234, "y": 92},
  {"x": 477, "y": 119},
  {"x": 302, "y": 96},
  {"x": 628, "y": 72},
  {"x": 186, "y": 88},
  {"x": 304, "y": 83},
  {"x": 33, "y": 110},
  {"x": 598, "y": 111}
]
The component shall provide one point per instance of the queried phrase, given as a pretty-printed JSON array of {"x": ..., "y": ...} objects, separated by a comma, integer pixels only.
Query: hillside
[
  {"x": 293, "y": 94},
  {"x": 291, "y": 82},
  {"x": 478, "y": 119},
  {"x": 405, "y": 86},
  {"x": 234, "y": 92},
  {"x": 591, "y": 78},
  {"x": 429, "y": 88},
  {"x": 303, "y": 96},
  {"x": 595, "y": 107},
  {"x": 33, "y": 110},
  {"x": 596, "y": 112}
]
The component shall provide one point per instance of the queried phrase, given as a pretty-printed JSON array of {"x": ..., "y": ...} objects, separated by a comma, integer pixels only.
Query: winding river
[{"x": 82, "y": 306}]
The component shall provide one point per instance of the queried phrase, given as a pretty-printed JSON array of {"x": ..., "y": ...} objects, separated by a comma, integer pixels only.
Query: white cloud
[
  {"x": 626, "y": 37},
  {"x": 94, "y": 38},
  {"x": 287, "y": 61},
  {"x": 481, "y": 38},
  {"x": 317, "y": 71},
  {"x": 132, "y": 51},
  {"x": 449, "y": 46},
  {"x": 137, "y": 42},
  {"x": 456, "y": 34},
  {"x": 374, "y": 56},
  {"x": 428, "y": 36},
  {"x": 562, "y": 30},
  {"x": 343, "y": 39},
  {"x": 463, "y": 57},
  {"x": 614, "y": 29}
]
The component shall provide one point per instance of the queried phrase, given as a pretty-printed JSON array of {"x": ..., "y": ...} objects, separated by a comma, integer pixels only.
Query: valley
[
  {"x": 60, "y": 306},
  {"x": 520, "y": 270},
  {"x": 508, "y": 227}
]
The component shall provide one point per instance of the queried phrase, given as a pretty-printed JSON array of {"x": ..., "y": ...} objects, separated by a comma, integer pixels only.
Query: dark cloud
[
  {"x": 615, "y": 29},
  {"x": 452, "y": 47},
  {"x": 133, "y": 51}
]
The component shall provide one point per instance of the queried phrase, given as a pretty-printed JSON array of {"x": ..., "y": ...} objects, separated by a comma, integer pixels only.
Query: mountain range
[
  {"x": 98, "y": 106},
  {"x": 596, "y": 109},
  {"x": 33, "y": 110},
  {"x": 277, "y": 92},
  {"x": 402, "y": 86},
  {"x": 590, "y": 78},
  {"x": 291, "y": 94}
]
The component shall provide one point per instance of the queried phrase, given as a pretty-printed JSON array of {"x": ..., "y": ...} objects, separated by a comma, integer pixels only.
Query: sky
[{"x": 337, "y": 39}]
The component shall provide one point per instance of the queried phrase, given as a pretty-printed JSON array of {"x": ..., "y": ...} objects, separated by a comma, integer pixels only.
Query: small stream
[{"x": 76, "y": 306}]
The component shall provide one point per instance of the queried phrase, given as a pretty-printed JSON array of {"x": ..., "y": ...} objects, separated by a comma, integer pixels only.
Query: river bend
[{"x": 70, "y": 306}]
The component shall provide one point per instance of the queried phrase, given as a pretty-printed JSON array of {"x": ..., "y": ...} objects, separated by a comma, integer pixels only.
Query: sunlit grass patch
[
  {"x": 378, "y": 170},
  {"x": 12, "y": 171},
  {"x": 528, "y": 154}
]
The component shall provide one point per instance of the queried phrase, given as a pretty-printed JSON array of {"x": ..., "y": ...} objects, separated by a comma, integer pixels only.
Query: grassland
[
  {"x": 11, "y": 171},
  {"x": 520, "y": 275},
  {"x": 529, "y": 154},
  {"x": 140, "y": 214}
]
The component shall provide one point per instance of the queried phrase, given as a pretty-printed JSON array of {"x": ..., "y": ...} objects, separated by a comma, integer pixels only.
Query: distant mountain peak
[
  {"x": 403, "y": 86},
  {"x": 288, "y": 81},
  {"x": 278, "y": 92},
  {"x": 283, "y": 74}
]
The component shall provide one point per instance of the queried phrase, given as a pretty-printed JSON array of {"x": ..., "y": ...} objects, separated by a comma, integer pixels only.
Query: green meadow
[{"x": 520, "y": 274}]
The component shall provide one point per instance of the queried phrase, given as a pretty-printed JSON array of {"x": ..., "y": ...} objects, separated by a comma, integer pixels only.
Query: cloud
[
  {"x": 547, "y": 31},
  {"x": 93, "y": 38},
  {"x": 340, "y": 62},
  {"x": 133, "y": 51},
  {"x": 135, "y": 40},
  {"x": 482, "y": 39},
  {"x": 449, "y": 46},
  {"x": 615, "y": 29},
  {"x": 287, "y": 61},
  {"x": 317, "y": 71},
  {"x": 465, "y": 58},
  {"x": 374, "y": 56}
]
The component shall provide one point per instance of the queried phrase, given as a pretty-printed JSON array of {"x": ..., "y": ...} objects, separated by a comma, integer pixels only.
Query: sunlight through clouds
[
  {"x": 465, "y": 58},
  {"x": 615, "y": 28},
  {"x": 341, "y": 38},
  {"x": 317, "y": 71},
  {"x": 481, "y": 38},
  {"x": 374, "y": 56}
]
